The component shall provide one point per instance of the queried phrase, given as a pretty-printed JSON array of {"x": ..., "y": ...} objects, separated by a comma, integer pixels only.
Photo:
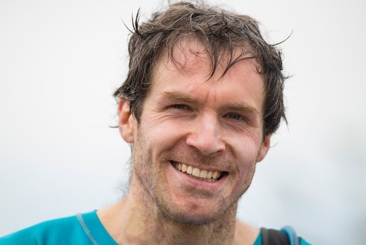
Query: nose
[{"x": 206, "y": 135}]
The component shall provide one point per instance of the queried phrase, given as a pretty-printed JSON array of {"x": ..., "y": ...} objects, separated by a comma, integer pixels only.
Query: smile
[{"x": 201, "y": 174}]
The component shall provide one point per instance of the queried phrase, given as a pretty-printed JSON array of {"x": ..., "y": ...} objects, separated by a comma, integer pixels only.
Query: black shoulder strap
[{"x": 276, "y": 237}]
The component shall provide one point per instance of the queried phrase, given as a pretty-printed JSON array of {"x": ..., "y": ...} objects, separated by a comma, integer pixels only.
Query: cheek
[
  {"x": 162, "y": 134},
  {"x": 244, "y": 147},
  {"x": 245, "y": 151}
]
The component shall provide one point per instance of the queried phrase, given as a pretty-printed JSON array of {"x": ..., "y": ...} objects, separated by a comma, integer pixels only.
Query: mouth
[{"x": 197, "y": 173}]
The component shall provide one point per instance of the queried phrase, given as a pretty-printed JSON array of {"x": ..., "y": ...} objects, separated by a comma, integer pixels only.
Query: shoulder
[
  {"x": 286, "y": 236},
  {"x": 245, "y": 233},
  {"x": 48, "y": 232}
]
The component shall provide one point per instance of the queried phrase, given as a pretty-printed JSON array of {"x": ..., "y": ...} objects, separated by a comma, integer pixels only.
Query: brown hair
[{"x": 221, "y": 33}]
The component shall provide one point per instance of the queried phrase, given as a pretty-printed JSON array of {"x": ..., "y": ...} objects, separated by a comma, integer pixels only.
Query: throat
[
  {"x": 182, "y": 234},
  {"x": 166, "y": 230}
]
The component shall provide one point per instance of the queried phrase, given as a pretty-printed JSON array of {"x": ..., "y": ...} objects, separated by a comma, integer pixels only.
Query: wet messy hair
[{"x": 221, "y": 33}]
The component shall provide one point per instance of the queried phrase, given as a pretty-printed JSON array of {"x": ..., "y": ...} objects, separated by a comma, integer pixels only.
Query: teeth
[
  {"x": 196, "y": 172},
  {"x": 189, "y": 170},
  {"x": 184, "y": 168},
  {"x": 209, "y": 175},
  {"x": 203, "y": 174}
]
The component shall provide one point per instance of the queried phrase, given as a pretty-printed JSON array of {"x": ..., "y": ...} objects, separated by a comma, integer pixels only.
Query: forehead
[
  {"x": 190, "y": 55},
  {"x": 187, "y": 72}
]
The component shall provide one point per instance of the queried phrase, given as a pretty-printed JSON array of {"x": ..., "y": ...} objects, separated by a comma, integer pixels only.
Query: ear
[
  {"x": 266, "y": 144},
  {"x": 127, "y": 121}
]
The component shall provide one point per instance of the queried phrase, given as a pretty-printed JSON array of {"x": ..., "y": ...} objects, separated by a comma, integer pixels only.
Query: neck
[{"x": 137, "y": 220}]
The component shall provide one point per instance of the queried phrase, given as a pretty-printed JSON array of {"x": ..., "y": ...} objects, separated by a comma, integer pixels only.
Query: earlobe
[
  {"x": 266, "y": 144},
  {"x": 126, "y": 122}
]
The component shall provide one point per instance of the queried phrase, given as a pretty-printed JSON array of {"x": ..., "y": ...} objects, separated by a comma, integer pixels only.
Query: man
[{"x": 203, "y": 95}]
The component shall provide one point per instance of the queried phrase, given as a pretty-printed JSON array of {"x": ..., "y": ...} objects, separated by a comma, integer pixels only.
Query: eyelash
[
  {"x": 235, "y": 116},
  {"x": 231, "y": 116},
  {"x": 180, "y": 106}
]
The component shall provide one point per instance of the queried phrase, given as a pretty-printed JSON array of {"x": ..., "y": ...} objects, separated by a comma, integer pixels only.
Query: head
[
  {"x": 202, "y": 97},
  {"x": 222, "y": 34}
]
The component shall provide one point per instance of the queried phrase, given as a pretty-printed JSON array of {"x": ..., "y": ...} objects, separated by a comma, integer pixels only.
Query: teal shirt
[{"x": 82, "y": 229}]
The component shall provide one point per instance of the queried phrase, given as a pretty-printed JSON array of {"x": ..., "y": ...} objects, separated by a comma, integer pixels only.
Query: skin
[{"x": 212, "y": 123}]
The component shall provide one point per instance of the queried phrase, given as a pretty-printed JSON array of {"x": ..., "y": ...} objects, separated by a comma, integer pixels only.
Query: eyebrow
[
  {"x": 174, "y": 95},
  {"x": 242, "y": 107},
  {"x": 178, "y": 96}
]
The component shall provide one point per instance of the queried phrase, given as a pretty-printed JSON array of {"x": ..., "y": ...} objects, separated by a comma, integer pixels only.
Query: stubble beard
[{"x": 159, "y": 202}]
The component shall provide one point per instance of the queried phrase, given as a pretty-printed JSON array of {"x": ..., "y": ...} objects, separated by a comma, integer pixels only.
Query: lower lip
[{"x": 201, "y": 184}]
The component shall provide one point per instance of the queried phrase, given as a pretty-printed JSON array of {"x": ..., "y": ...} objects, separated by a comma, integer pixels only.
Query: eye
[
  {"x": 235, "y": 116},
  {"x": 180, "y": 106}
]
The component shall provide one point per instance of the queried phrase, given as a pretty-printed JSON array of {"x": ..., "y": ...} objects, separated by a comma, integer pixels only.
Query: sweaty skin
[{"x": 194, "y": 153}]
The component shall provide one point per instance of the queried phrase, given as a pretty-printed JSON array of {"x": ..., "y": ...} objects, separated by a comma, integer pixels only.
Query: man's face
[{"x": 199, "y": 138}]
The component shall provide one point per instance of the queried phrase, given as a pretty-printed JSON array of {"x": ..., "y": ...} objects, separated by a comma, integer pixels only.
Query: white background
[{"x": 60, "y": 62}]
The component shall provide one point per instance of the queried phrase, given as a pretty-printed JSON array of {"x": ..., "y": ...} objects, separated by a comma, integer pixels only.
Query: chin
[
  {"x": 191, "y": 216},
  {"x": 192, "y": 219}
]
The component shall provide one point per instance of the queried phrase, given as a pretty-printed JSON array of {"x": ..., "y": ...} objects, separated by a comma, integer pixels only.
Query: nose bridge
[
  {"x": 209, "y": 126},
  {"x": 206, "y": 134}
]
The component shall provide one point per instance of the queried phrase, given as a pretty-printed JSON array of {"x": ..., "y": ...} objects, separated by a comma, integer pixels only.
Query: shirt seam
[{"x": 86, "y": 230}]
